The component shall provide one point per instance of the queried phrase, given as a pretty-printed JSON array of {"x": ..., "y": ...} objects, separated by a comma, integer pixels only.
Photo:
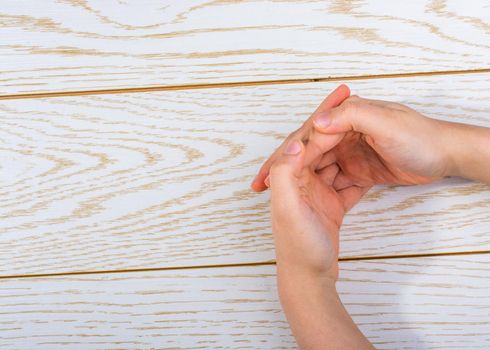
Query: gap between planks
[
  {"x": 263, "y": 263},
  {"x": 234, "y": 84}
]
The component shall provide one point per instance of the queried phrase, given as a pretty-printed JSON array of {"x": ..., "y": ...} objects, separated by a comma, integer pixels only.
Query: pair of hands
[{"x": 324, "y": 168}]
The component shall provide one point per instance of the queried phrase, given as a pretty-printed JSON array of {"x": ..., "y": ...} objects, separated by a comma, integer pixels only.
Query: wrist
[
  {"x": 315, "y": 258},
  {"x": 461, "y": 145},
  {"x": 323, "y": 266},
  {"x": 294, "y": 283},
  {"x": 451, "y": 147}
]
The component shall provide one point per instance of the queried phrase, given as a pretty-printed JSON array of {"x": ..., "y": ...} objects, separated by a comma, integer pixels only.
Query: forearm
[
  {"x": 315, "y": 313},
  {"x": 468, "y": 148}
]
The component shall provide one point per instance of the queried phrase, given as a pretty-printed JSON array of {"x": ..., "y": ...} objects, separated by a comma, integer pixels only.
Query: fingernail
[
  {"x": 322, "y": 120},
  {"x": 267, "y": 181},
  {"x": 293, "y": 147}
]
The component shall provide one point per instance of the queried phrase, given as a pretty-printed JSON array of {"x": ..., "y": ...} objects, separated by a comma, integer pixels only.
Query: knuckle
[
  {"x": 290, "y": 136},
  {"x": 352, "y": 110},
  {"x": 351, "y": 106},
  {"x": 303, "y": 130}
]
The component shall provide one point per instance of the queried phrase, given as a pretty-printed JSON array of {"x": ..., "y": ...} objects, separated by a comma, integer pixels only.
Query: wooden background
[{"x": 130, "y": 132}]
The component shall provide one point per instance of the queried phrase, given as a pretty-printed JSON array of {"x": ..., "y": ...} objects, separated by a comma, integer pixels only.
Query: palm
[
  {"x": 330, "y": 191},
  {"x": 323, "y": 209},
  {"x": 362, "y": 164}
]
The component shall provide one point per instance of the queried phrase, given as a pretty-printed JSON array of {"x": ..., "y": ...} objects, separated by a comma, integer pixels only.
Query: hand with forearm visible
[
  {"x": 306, "y": 216},
  {"x": 351, "y": 144}
]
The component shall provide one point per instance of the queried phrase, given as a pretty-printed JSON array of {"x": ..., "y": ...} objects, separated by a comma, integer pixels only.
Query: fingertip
[
  {"x": 335, "y": 98},
  {"x": 294, "y": 148},
  {"x": 255, "y": 186},
  {"x": 322, "y": 121},
  {"x": 339, "y": 95},
  {"x": 258, "y": 186},
  {"x": 344, "y": 89}
]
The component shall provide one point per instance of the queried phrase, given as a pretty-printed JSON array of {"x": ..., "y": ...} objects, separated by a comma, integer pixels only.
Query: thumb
[
  {"x": 283, "y": 177},
  {"x": 355, "y": 114}
]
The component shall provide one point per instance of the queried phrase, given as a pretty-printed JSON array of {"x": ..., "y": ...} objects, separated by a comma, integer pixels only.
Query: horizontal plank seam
[
  {"x": 234, "y": 84},
  {"x": 263, "y": 263}
]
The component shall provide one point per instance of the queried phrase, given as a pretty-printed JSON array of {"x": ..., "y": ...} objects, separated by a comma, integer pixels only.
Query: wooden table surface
[{"x": 129, "y": 134}]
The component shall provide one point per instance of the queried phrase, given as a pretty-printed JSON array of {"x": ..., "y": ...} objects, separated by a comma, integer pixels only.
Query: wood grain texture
[
  {"x": 428, "y": 303},
  {"x": 155, "y": 180},
  {"x": 77, "y": 45}
]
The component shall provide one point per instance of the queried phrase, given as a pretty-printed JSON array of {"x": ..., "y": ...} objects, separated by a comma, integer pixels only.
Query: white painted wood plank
[
  {"x": 71, "y": 45},
  {"x": 428, "y": 303},
  {"x": 161, "y": 179}
]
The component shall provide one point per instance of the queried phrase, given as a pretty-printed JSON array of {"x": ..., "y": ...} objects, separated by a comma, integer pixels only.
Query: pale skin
[{"x": 323, "y": 169}]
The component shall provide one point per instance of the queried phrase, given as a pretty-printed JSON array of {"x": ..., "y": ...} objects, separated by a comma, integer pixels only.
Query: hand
[
  {"x": 306, "y": 216},
  {"x": 373, "y": 142},
  {"x": 307, "y": 213}
]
